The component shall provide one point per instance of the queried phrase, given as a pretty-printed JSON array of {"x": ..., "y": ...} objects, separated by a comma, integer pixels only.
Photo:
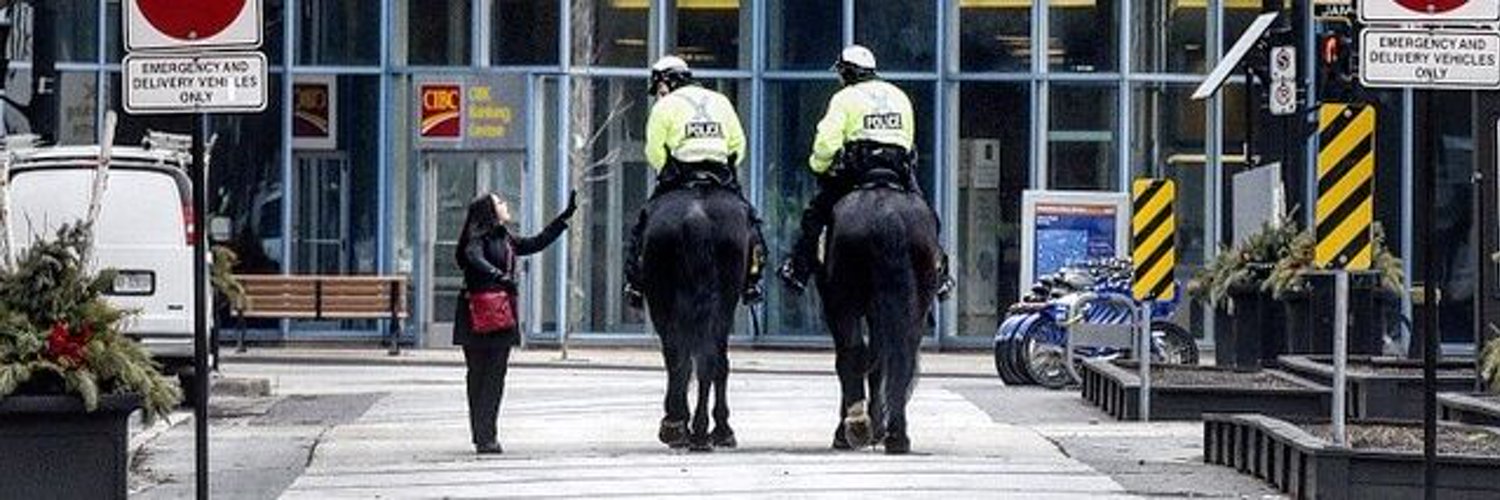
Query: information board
[{"x": 1059, "y": 228}]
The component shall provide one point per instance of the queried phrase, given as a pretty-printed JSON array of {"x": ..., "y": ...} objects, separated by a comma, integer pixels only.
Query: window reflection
[
  {"x": 1080, "y": 140},
  {"x": 900, "y": 33},
  {"x": 338, "y": 32},
  {"x": 708, "y": 33},
  {"x": 1083, "y": 36},
  {"x": 995, "y": 37},
  {"x": 804, "y": 34},
  {"x": 524, "y": 32},
  {"x": 438, "y": 32},
  {"x": 1169, "y": 36}
]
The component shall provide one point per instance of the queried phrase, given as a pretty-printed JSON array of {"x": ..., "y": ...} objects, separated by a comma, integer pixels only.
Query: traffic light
[{"x": 1336, "y": 52}]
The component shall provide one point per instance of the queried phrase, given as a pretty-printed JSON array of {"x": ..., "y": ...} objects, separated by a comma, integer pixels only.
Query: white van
[{"x": 144, "y": 231}]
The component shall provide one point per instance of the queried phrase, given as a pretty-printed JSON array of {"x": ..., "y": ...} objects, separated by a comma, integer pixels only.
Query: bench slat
[{"x": 341, "y": 297}]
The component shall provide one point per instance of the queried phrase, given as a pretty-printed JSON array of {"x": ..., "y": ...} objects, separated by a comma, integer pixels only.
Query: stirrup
[
  {"x": 753, "y": 294},
  {"x": 791, "y": 278},
  {"x": 946, "y": 284},
  {"x": 633, "y": 297}
]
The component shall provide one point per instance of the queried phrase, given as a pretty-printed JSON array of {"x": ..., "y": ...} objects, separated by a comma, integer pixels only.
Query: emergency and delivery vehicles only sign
[
  {"x": 1430, "y": 44},
  {"x": 193, "y": 56}
]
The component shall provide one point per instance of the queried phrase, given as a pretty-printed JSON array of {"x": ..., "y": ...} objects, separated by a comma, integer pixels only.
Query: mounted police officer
[
  {"x": 867, "y": 135},
  {"x": 692, "y": 135}
]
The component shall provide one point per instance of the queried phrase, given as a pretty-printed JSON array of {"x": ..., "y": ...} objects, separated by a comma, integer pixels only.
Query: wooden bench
[{"x": 325, "y": 297}]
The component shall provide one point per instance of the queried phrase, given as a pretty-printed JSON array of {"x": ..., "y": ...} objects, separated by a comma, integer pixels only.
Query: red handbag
[{"x": 493, "y": 311}]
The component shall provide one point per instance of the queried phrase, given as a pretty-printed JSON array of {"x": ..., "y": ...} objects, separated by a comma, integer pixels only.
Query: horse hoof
[
  {"x": 897, "y": 445},
  {"x": 673, "y": 434},
  {"x": 723, "y": 439},
  {"x": 839, "y": 441},
  {"x": 700, "y": 443},
  {"x": 858, "y": 432}
]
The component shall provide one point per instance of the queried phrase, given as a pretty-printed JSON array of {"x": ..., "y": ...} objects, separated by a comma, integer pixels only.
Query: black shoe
[
  {"x": 945, "y": 287},
  {"x": 488, "y": 449},
  {"x": 794, "y": 279},
  {"x": 634, "y": 298},
  {"x": 753, "y": 294}
]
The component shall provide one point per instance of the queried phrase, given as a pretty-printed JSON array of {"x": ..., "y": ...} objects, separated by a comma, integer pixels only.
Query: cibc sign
[{"x": 472, "y": 112}]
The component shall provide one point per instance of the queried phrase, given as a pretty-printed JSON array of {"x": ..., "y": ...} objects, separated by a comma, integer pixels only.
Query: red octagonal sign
[
  {"x": 1429, "y": 11},
  {"x": 1432, "y": 6},
  {"x": 190, "y": 24},
  {"x": 191, "y": 19}
]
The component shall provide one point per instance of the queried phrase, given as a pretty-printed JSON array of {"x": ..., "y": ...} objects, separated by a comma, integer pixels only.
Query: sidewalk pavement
[{"x": 969, "y": 365}]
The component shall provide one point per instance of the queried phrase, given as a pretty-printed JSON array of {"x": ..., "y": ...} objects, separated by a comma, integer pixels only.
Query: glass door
[
  {"x": 453, "y": 180},
  {"x": 320, "y": 225}
]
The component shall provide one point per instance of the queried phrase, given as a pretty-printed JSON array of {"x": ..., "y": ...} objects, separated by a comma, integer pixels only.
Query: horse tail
[
  {"x": 897, "y": 309},
  {"x": 700, "y": 291}
]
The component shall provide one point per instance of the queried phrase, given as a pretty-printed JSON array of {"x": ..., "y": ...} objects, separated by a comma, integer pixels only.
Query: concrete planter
[
  {"x": 1383, "y": 388},
  {"x": 54, "y": 449},
  {"x": 1475, "y": 409},
  {"x": 1116, "y": 389},
  {"x": 1306, "y": 466}
]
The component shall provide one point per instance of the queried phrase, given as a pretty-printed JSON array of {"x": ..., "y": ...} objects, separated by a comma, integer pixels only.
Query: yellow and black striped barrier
[
  {"x": 1346, "y": 186},
  {"x": 1153, "y": 229}
]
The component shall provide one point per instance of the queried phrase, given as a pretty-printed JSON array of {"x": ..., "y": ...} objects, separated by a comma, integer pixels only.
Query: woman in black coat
[{"x": 486, "y": 253}]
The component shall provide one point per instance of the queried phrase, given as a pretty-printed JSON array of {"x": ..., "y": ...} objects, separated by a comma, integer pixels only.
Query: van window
[{"x": 140, "y": 207}]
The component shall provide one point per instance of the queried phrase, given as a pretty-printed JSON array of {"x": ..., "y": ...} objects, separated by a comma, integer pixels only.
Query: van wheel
[{"x": 186, "y": 380}]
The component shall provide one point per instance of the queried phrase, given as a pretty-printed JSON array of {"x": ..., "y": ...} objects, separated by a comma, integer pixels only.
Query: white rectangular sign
[
  {"x": 1283, "y": 93},
  {"x": 230, "y": 82},
  {"x": 192, "y": 24},
  {"x": 1429, "y": 59},
  {"x": 1429, "y": 11}
]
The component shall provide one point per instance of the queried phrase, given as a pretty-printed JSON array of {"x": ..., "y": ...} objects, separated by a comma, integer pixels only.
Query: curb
[{"x": 253, "y": 359}]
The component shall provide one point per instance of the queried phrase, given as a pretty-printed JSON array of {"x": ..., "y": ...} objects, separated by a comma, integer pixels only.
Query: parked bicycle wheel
[{"x": 1173, "y": 344}]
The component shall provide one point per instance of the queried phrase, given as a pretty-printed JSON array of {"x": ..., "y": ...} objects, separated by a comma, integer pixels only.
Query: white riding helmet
[
  {"x": 670, "y": 63},
  {"x": 858, "y": 56}
]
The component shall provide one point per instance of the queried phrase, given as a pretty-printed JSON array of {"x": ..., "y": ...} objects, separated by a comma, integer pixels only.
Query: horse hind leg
[
  {"x": 875, "y": 381},
  {"x": 699, "y": 440},
  {"x": 723, "y": 435},
  {"x": 900, "y": 378},
  {"x": 674, "y": 427},
  {"x": 852, "y": 362}
]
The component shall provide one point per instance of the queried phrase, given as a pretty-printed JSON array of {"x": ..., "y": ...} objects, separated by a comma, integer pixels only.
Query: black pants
[{"x": 487, "y": 367}]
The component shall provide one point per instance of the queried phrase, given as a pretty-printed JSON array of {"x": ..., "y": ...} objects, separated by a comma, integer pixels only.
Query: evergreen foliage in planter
[
  {"x": 1234, "y": 283},
  {"x": 68, "y": 378},
  {"x": 1374, "y": 297}
]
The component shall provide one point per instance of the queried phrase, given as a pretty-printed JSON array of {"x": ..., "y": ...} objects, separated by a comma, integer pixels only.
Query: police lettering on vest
[
  {"x": 703, "y": 130},
  {"x": 883, "y": 121}
]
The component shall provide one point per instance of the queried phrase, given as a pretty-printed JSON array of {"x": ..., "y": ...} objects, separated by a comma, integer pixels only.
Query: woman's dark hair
[{"x": 480, "y": 221}]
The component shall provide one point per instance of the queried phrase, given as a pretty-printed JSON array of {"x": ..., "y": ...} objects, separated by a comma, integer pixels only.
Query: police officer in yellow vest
[
  {"x": 692, "y": 131},
  {"x": 869, "y": 125}
]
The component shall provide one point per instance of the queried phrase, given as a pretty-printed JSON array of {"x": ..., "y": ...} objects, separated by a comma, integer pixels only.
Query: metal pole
[
  {"x": 1340, "y": 354},
  {"x": 200, "y": 310},
  {"x": 1143, "y": 356},
  {"x": 1430, "y": 319}
]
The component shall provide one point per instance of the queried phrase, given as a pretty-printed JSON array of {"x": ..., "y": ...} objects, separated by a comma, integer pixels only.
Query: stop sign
[
  {"x": 188, "y": 24},
  {"x": 1432, "y": 6},
  {"x": 1435, "y": 12},
  {"x": 191, "y": 19}
]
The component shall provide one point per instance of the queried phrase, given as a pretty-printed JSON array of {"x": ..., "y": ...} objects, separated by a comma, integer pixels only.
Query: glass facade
[{"x": 1011, "y": 95}]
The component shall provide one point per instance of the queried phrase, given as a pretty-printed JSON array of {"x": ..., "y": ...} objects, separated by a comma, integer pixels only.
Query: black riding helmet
[{"x": 671, "y": 70}]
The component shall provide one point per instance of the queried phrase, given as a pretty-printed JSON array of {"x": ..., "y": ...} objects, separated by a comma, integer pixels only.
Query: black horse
[
  {"x": 697, "y": 248},
  {"x": 880, "y": 277}
]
